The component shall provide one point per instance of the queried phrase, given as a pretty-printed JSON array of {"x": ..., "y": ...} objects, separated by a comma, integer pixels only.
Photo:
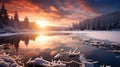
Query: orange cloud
[{"x": 53, "y": 8}]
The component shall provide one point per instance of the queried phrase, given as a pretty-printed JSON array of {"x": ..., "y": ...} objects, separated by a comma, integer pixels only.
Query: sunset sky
[{"x": 60, "y": 12}]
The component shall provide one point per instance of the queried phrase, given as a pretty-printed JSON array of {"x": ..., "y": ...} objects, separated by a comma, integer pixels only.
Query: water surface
[{"x": 47, "y": 45}]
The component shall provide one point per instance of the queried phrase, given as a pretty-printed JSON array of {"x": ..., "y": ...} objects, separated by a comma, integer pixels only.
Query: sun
[{"x": 43, "y": 23}]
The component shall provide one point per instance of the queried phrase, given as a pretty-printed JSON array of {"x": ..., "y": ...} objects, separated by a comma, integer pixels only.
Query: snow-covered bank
[
  {"x": 17, "y": 33},
  {"x": 8, "y": 61},
  {"x": 102, "y": 35},
  {"x": 105, "y": 35},
  {"x": 44, "y": 63},
  {"x": 9, "y": 31}
]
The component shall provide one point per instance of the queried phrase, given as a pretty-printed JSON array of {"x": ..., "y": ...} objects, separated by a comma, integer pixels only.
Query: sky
[{"x": 60, "y": 12}]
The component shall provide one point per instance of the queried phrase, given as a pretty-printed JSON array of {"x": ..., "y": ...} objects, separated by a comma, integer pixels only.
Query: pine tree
[
  {"x": 26, "y": 19},
  {"x": 104, "y": 22},
  {"x": 26, "y": 22},
  {"x": 16, "y": 17},
  {"x": 4, "y": 15}
]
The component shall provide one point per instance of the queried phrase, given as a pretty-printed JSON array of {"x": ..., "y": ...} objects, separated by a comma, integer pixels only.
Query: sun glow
[
  {"x": 42, "y": 39},
  {"x": 43, "y": 23}
]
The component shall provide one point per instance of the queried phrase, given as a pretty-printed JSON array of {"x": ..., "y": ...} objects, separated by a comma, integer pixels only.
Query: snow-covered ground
[
  {"x": 105, "y": 35},
  {"x": 9, "y": 61},
  {"x": 18, "y": 33}
]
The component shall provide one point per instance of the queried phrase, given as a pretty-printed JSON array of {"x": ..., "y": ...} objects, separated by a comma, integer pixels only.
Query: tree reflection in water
[{"x": 15, "y": 40}]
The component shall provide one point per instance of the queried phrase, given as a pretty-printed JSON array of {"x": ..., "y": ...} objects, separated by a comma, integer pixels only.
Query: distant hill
[{"x": 105, "y": 22}]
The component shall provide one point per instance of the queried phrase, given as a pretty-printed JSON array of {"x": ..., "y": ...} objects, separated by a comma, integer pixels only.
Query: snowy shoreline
[
  {"x": 7, "y": 60},
  {"x": 103, "y": 35}
]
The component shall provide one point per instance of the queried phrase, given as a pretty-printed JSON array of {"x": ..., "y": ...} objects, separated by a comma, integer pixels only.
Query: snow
[
  {"x": 42, "y": 62},
  {"x": 57, "y": 56},
  {"x": 105, "y": 35},
  {"x": 84, "y": 61},
  {"x": 7, "y": 29},
  {"x": 11, "y": 34},
  {"x": 7, "y": 61},
  {"x": 58, "y": 63}
]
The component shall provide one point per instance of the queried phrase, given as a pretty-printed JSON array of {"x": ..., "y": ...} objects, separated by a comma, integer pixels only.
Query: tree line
[
  {"x": 105, "y": 22},
  {"x": 14, "y": 21}
]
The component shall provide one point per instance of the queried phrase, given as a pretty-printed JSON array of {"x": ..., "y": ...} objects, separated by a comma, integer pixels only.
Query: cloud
[
  {"x": 104, "y": 6},
  {"x": 5, "y": 1},
  {"x": 63, "y": 12},
  {"x": 52, "y": 8}
]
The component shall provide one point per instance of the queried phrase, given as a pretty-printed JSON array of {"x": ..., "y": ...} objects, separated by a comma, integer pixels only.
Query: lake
[{"x": 47, "y": 45}]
